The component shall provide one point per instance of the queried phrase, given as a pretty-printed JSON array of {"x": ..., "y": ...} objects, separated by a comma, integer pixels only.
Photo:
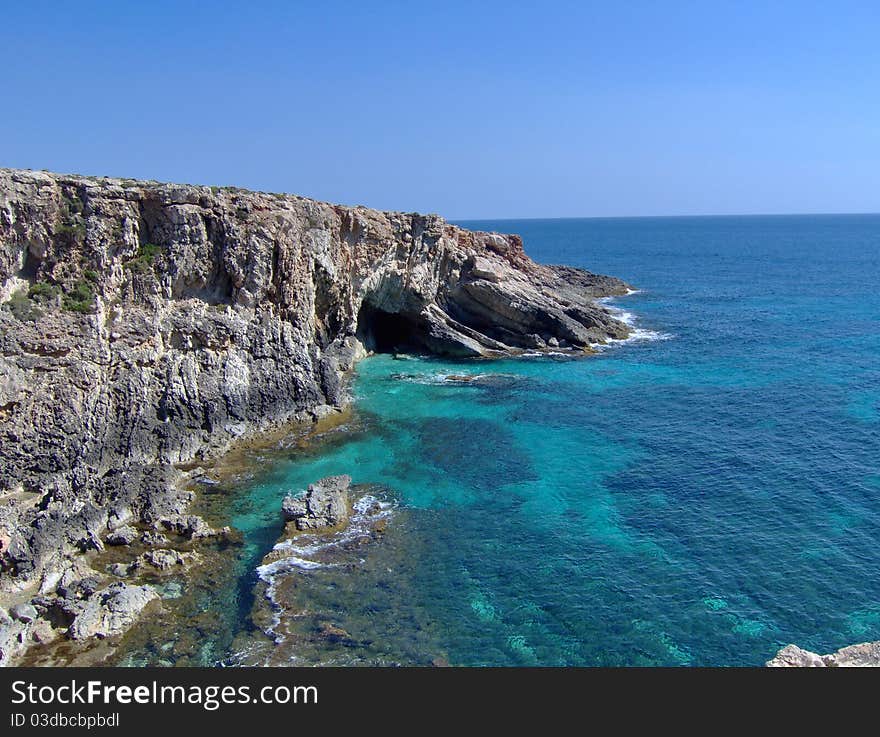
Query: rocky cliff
[
  {"x": 148, "y": 325},
  {"x": 864, "y": 655}
]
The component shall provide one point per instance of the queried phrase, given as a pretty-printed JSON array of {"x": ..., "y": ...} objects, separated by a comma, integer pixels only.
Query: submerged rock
[
  {"x": 866, "y": 654},
  {"x": 332, "y": 633},
  {"x": 326, "y": 503}
]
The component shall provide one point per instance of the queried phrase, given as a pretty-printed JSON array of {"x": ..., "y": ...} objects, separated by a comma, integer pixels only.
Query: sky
[{"x": 467, "y": 109}]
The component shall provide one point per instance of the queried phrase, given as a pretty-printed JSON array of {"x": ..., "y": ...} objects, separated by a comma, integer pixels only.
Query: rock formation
[
  {"x": 111, "y": 612},
  {"x": 145, "y": 325},
  {"x": 325, "y": 504},
  {"x": 864, "y": 655}
]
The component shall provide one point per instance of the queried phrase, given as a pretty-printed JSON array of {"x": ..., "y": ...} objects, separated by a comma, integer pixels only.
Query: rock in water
[
  {"x": 111, "y": 612},
  {"x": 864, "y": 655},
  {"x": 325, "y": 504}
]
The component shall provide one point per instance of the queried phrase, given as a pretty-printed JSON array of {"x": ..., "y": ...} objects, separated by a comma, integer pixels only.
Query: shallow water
[{"x": 700, "y": 496}]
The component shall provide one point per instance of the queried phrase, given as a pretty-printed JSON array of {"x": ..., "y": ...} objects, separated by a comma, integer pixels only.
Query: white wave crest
[
  {"x": 300, "y": 553},
  {"x": 637, "y": 335}
]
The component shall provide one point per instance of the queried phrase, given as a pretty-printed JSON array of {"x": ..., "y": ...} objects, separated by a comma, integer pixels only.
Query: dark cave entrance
[{"x": 388, "y": 332}]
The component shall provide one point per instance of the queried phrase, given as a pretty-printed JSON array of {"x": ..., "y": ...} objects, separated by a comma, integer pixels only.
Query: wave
[
  {"x": 303, "y": 553},
  {"x": 637, "y": 334},
  {"x": 458, "y": 378}
]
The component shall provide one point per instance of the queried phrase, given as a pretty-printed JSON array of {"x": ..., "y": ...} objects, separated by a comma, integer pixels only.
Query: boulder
[
  {"x": 163, "y": 558},
  {"x": 791, "y": 656},
  {"x": 190, "y": 526},
  {"x": 111, "y": 611},
  {"x": 151, "y": 538},
  {"x": 325, "y": 504},
  {"x": 125, "y": 535},
  {"x": 482, "y": 268},
  {"x": 25, "y": 612},
  {"x": 122, "y": 569}
]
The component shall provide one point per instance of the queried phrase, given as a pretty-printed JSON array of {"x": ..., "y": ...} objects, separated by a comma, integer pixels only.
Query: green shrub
[
  {"x": 72, "y": 229},
  {"x": 91, "y": 275},
  {"x": 80, "y": 298},
  {"x": 143, "y": 262},
  {"x": 149, "y": 250},
  {"x": 42, "y": 291}
]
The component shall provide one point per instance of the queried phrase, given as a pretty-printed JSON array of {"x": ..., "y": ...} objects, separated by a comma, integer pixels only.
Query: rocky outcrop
[
  {"x": 864, "y": 655},
  {"x": 325, "y": 504},
  {"x": 111, "y": 611},
  {"x": 148, "y": 325}
]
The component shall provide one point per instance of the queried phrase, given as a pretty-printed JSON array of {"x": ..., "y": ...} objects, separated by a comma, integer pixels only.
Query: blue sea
[{"x": 700, "y": 495}]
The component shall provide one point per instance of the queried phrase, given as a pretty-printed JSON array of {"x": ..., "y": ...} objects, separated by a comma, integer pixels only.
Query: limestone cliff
[{"x": 145, "y": 325}]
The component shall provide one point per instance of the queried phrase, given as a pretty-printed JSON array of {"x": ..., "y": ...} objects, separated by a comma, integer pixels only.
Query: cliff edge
[{"x": 145, "y": 325}]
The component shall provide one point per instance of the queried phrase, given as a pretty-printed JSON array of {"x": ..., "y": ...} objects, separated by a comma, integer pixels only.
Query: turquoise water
[{"x": 698, "y": 497}]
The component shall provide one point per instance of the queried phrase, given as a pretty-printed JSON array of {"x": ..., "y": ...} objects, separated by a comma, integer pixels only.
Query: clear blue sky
[{"x": 476, "y": 109}]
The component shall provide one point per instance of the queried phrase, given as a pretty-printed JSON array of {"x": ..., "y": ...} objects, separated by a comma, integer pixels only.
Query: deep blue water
[{"x": 697, "y": 500}]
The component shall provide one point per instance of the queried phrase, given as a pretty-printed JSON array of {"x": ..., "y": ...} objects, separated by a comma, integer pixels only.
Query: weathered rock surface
[
  {"x": 111, "y": 612},
  {"x": 326, "y": 503},
  {"x": 23, "y": 613},
  {"x": 144, "y": 325},
  {"x": 866, "y": 654},
  {"x": 124, "y": 535},
  {"x": 165, "y": 559}
]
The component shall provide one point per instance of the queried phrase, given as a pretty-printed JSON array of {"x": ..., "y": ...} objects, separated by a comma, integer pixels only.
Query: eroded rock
[
  {"x": 791, "y": 656},
  {"x": 326, "y": 503},
  {"x": 111, "y": 611},
  {"x": 164, "y": 559},
  {"x": 124, "y": 535},
  {"x": 24, "y": 612},
  {"x": 866, "y": 654}
]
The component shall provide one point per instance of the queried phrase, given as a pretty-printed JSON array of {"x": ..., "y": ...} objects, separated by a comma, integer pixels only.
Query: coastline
[{"x": 148, "y": 328}]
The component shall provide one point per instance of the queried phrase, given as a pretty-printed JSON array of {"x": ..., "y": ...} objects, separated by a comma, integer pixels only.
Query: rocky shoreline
[
  {"x": 146, "y": 328},
  {"x": 864, "y": 655}
]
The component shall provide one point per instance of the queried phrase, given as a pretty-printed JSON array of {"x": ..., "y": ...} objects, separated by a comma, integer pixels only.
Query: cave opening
[{"x": 388, "y": 332}]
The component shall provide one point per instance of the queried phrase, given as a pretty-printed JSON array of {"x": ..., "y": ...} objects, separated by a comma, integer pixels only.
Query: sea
[{"x": 701, "y": 494}]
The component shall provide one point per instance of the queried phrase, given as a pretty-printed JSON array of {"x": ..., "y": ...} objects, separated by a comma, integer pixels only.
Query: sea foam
[
  {"x": 637, "y": 335},
  {"x": 303, "y": 554}
]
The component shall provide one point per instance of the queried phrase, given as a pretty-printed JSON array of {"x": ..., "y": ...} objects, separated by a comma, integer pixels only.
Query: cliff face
[{"x": 145, "y": 325}]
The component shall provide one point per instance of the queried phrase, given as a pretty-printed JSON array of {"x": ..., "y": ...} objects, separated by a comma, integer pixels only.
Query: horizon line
[{"x": 675, "y": 215}]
